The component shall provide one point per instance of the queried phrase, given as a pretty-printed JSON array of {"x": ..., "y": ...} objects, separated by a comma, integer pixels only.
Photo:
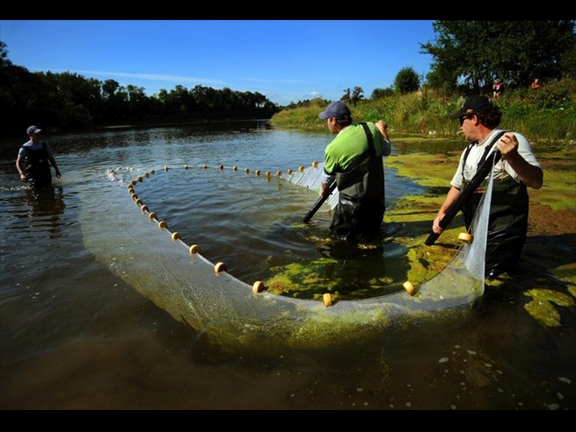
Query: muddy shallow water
[{"x": 76, "y": 336}]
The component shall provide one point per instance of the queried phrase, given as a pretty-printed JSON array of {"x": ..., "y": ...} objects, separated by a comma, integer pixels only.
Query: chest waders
[
  {"x": 508, "y": 221},
  {"x": 38, "y": 167},
  {"x": 360, "y": 207}
]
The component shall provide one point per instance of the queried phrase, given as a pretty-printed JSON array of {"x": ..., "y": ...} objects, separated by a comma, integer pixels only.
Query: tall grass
[{"x": 544, "y": 115}]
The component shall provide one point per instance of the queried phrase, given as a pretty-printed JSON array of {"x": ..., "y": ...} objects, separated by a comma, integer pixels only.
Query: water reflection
[
  {"x": 45, "y": 201},
  {"x": 35, "y": 209}
]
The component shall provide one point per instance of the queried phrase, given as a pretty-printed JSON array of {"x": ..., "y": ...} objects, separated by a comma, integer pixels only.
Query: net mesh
[{"x": 186, "y": 285}]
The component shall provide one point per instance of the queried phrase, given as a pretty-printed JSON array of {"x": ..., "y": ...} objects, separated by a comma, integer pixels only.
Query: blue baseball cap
[{"x": 337, "y": 110}]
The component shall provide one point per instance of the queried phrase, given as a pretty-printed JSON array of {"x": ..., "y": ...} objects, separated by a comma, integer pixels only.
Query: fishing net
[{"x": 193, "y": 290}]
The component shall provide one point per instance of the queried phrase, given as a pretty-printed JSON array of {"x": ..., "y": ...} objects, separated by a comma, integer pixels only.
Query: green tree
[
  {"x": 109, "y": 88},
  {"x": 346, "y": 97},
  {"x": 474, "y": 53},
  {"x": 4, "y": 55},
  {"x": 357, "y": 95},
  {"x": 379, "y": 93},
  {"x": 354, "y": 96},
  {"x": 406, "y": 81},
  {"x": 568, "y": 62}
]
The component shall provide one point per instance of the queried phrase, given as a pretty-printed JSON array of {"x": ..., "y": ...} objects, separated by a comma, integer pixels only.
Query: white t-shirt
[{"x": 501, "y": 169}]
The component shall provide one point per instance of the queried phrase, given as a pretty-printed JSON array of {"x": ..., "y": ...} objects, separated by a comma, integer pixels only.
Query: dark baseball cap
[
  {"x": 473, "y": 105},
  {"x": 33, "y": 130},
  {"x": 337, "y": 110}
]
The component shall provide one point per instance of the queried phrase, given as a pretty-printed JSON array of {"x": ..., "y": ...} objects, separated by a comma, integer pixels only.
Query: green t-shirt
[{"x": 350, "y": 143}]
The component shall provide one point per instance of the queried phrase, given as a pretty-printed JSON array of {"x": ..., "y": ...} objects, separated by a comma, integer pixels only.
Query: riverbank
[{"x": 552, "y": 208}]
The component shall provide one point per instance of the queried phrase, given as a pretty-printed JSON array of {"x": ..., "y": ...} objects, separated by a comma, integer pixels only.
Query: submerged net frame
[{"x": 193, "y": 290}]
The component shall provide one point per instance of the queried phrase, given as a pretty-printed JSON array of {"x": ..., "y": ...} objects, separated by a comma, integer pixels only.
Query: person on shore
[
  {"x": 535, "y": 84},
  {"x": 34, "y": 160},
  {"x": 497, "y": 88},
  {"x": 513, "y": 174},
  {"x": 353, "y": 159}
]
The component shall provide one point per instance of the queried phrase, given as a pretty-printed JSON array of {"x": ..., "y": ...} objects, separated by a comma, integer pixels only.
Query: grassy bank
[{"x": 545, "y": 115}]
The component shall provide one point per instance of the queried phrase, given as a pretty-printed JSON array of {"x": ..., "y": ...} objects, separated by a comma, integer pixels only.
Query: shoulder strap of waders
[
  {"x": 368, "y": 154},
  {"x": 495, "y": 139},
  {"x": 371, "y": 149}
]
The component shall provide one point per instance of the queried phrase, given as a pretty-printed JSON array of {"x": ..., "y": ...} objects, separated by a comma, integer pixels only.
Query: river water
[{"x": 76, "y": 334}]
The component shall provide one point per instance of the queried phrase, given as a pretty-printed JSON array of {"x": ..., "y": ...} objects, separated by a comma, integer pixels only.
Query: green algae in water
[
  {"x": 541, "y": 308},
  {"x": 324, "y": 275}
]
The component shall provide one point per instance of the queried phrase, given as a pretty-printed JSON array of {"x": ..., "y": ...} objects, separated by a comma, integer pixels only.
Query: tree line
[
  {"x": 68, "y": 101},
  {"x": 467, "y": 56}
]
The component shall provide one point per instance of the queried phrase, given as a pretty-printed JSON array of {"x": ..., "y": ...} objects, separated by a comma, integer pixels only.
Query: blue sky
[{"x": 285, "y": 60}]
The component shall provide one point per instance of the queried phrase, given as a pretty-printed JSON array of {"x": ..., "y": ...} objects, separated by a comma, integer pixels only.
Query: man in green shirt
[{"x": 354, "y": 160}]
